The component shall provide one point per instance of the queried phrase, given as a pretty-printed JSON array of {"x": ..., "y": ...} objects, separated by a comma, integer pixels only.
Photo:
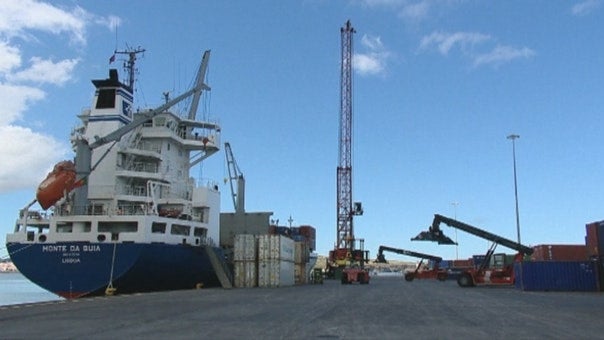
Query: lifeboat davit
[{"x": 61, "y": 180}]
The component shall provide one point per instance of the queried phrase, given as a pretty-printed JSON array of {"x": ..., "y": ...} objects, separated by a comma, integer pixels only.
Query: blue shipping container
[
  {"x": 578, "y": 276},
  {"x": 445, "y": 264},
  {"x": 478, "y": 260}
]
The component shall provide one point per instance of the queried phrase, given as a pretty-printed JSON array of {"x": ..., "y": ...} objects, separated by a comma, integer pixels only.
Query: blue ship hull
[{"x": 78, "y": 269}]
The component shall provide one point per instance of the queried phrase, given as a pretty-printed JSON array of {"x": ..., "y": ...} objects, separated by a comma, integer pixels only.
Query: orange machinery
[
  {"x": 482, "y": 275},
  {"x": 435, "y": 272}
]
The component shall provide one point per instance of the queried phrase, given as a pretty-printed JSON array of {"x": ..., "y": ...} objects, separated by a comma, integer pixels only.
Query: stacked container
[
  {"x": 594, "y": 241},
  {"x": 559, "y": 252},
  {"x": 275, "y": 261},
  {"x": 301, "y": 257},
  {"x": 310, "y": 234},
  {"x": 245, "y": 261},
  {"x": 462, "y": 264}
]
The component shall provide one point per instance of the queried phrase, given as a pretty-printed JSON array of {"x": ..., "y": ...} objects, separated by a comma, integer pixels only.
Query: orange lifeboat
[{"x": 62, "y": 179}]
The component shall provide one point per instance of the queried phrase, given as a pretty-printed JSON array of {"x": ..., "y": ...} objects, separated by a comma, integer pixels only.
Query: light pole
[
  {"x": 455, "y": 204},
  {"x": 513, "y": 137}
]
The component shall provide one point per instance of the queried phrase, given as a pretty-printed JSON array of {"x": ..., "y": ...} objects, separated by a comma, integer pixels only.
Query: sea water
[{"x": 17, "y": 289}]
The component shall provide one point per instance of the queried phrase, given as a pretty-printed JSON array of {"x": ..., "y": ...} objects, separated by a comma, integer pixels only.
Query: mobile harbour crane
[
  {"x": 346, "y": 260},
  {"x": 481, "y": 275}
]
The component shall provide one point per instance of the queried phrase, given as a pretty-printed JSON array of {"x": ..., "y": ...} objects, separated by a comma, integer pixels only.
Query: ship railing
[
  {"x": 134, "y": 209},
  {"x": 89, "y": 209},
  {"x": 143, "y": 167},
  {"x": 208, "y": 183},
  {"x": 33, "y": 214},
  {"x": 149, "y": 146}
]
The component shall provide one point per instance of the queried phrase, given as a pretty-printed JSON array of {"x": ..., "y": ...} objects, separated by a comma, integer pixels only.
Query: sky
[{"x": 438, "y": 85}]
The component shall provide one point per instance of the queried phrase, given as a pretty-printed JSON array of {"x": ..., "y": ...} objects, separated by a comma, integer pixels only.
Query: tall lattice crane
[
  {"x": 345, "y": 256},
  {"x": 345, "y": 237}
]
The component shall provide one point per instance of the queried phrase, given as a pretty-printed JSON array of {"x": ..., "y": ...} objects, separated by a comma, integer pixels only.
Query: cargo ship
[{"x": 125, "y": 216}]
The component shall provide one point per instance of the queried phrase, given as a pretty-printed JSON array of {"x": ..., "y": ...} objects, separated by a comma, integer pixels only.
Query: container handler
[
  {"x": 317, "y": 276},
  {"x": 481, "y": 275},
  {"x": 433, "y": 273}
]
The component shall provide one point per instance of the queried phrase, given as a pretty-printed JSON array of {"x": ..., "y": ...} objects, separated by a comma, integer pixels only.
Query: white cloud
[
  {"x": 24, "y": 165},
  {"x": 10, "y": 58},
  {"x": 46, "y": 71},
  {"x": 412, "y": 11},
  {"x": 415, "y": 11},
  {"x": 383, "y": 3},
  {"x": 470, "y": 44},
  {"x": 28, "y": 154},
  {"x": 366, "y": 64},
  {"x": 444, "y": 42},
  {"x": 502, "y": 54},
  {"x": 585, "y": 7},
  {"x": 15, "y": 100},
  {"x": 111, "y": 22},
  {"x": 18, "y": 17},
  {"x": 373, "y": 62}
]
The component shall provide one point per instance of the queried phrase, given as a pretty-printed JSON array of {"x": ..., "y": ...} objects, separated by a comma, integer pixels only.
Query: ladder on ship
[{"x": 220, "y": 268}]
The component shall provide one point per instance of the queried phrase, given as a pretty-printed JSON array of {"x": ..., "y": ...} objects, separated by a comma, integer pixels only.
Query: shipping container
[
  {"x": 556, "y": 276},
  {"x": 594, "y": 238},
  {"x": 599, "y": 263},
  {"x": 300, "y": 273},
  {"x": 559, "y": 252},
  {"x": 245, "y": 248},
  {"x": 275, "y": 247},
  {"x": 301, "y": 253},
  {"x": 478, "y": 260},
  {"x": 299, "y": 238},
  {"x": 445, "y": 264},
  {"x": 245, "y": 273},
  {"x": 462, "y": 263},
  {"x": 275, "y": 273},
  {"x": 311, "y": 235}
]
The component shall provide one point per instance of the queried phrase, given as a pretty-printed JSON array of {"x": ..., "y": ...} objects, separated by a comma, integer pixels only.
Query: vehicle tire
[
  {"x": 409, "y": 277},
  {"x": 441, "y": 276},
  {"x": 465, "y": 280}
]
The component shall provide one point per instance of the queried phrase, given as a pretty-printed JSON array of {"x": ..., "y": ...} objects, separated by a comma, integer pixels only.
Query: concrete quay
[{"x": 387, "y": 308}]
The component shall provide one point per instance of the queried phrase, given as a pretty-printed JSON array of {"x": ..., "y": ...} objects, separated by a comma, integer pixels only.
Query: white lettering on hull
[{"x": 71, "y": 253}]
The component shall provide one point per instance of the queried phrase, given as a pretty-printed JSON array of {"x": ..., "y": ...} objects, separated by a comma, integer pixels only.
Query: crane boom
[
  {"x": 434, "y": 233},
  {"x": 235, "y": 179},
  {"x": 345, "y": 235},
  {"x": 382, "y": 258}
]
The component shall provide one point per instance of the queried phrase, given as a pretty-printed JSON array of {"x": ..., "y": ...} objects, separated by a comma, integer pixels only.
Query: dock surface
[{"x": 387, "y": 308}]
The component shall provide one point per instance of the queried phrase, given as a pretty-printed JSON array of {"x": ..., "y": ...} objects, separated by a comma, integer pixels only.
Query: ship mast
[{"x": 129, "y": 65}]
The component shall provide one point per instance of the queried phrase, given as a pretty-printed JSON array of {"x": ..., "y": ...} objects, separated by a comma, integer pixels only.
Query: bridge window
[
  {"x": 178, "y": 229},
  {"x": 159, "y": 228},
  {"x": 199, "y": 232},
  {"x": 118, "y": 227},
  {"x": 106, "y": 99}
]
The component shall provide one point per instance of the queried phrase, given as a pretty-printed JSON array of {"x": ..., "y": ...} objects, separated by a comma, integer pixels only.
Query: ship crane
[
  {"x": 236, "y": 179},
  {"x": 481, "y": 275},
  {"x": 346, "y": 260}
]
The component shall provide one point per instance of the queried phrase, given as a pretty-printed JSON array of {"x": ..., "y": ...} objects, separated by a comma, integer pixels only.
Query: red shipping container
[
  {"x": 560, "y": 252},
  {"x": 462, "y": 263},
  {"x": 591, "y": 239},
  {"x": 310, "y": 234}
]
